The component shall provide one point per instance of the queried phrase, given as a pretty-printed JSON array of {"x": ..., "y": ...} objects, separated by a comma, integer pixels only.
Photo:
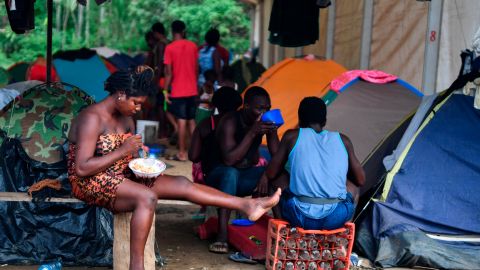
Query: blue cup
[{"x": 274, "y": 116}]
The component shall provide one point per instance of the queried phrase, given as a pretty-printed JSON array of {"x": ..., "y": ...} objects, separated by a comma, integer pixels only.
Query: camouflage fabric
[{"x": 41, "y": 119}]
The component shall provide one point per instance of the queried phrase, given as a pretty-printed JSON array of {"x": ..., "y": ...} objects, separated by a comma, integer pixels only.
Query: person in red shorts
[{"x": 181, "y": 72}]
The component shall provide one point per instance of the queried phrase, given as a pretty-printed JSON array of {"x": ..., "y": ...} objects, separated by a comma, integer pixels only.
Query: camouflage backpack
[{"x": 41, "y": 117}]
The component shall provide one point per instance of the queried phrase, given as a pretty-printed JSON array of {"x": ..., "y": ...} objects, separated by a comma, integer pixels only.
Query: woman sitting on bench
[{"x": 102, "y": 142}]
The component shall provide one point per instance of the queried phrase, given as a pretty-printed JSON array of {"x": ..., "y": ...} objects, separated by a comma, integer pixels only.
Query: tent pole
[
  {"x": 330, "y": 30},
  {"x": 432, "y": 48},
  {"x": 366, "y": 34},
  {"x": 298, "y": 51},
  {"x": 49, "y": 40}
]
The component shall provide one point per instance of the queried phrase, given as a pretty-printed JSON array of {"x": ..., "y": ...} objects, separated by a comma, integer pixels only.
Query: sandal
[
  {"x": 218, "y": 247},
  {"x": 239, "y": 257}
]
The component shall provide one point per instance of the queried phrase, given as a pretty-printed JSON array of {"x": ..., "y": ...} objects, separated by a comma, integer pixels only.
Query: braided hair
[
  {"x": 133, "y": 83},
  {"x": 121, "y": 80},
  {"x": 143, "y": 84}
]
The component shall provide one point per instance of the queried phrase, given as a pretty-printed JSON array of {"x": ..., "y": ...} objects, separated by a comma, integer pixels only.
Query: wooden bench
[{"x": 121, "y": 230}]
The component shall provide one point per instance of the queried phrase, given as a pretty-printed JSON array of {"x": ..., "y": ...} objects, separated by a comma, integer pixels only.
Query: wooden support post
[{"x": 121, "y": 243}]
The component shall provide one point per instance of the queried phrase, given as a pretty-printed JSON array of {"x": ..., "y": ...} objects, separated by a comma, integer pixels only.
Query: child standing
[{"x": 205, "y": 107}]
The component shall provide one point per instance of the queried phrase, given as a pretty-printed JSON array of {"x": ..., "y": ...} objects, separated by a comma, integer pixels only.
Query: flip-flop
[
  {"x": 239, "y": 257},
  {"x": 218, "y": 247}
]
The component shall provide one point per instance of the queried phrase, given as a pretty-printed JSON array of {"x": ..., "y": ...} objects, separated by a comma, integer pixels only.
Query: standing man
[
  {"x": 181, "y": 71},
  {"x": 239, "y": 135},
  {"x": 157, "y": 63}
]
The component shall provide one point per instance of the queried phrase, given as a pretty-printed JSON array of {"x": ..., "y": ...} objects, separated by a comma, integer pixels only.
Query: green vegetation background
[{"x": 121, "y": 24}]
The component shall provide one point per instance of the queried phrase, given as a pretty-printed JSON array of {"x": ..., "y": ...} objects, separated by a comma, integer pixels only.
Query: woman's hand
[{"x": 131, "y": 145}]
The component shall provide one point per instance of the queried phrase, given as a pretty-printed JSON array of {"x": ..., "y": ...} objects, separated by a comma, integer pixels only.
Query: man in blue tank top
[{"x": 318, "y": 171}]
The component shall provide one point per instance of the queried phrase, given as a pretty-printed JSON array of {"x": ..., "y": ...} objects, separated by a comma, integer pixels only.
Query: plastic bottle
[
  {"x": 291, "y": 243},
  {"x": 294, "y": 233},
  {"x": 272, "y": 248},
  {"x": 331, "y": 238},
  {"x": 304, "y": 255},
  {"x": 289, "y": 266},
  {"x": 324, "y": 266},
  {"x": 281, "y": 243},
  {"x": 338, "y": 265},
  {"x": 313, "y": 244},
  {"x": 327, "y": 254},
  {"x": 312, "y": 266},
  {"x": 300, "y": 265},
  {"x": 309, "y": 236},
  {"x": 302, "y": 244},
  {"x": 316, "y": 255},
  {"x": 281, "y": 254},
  {"x": 292, "y": 254},
  {"x": 341, "y": 242},
  {"x": 279, "y": 265},
  {"x": 51, "y": 266},
  {"x": 340, "y": 252}
]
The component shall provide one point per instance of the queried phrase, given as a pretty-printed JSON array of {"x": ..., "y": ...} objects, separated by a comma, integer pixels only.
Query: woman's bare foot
[{"x": 260, "y": 206}]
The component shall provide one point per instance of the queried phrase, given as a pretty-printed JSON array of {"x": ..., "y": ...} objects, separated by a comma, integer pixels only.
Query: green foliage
[{"x": 122, "y": 24}]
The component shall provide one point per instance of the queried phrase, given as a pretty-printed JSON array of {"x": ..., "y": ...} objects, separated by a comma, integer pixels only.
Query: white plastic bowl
[{"x": 158, "y": 166}]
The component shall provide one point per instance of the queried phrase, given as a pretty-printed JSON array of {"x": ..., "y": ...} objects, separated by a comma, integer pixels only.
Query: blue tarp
[
  {"x": 435, "y": 191},
  {"x": 87, "y": 74}
]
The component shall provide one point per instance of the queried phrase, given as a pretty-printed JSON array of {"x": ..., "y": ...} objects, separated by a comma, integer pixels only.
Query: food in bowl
[
  {"x": 144, "y": 168},
  {"x": 147, "y": 167}
]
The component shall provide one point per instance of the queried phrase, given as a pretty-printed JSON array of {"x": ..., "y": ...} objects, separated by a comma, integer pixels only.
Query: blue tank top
[{"x": 318, "y": 166}]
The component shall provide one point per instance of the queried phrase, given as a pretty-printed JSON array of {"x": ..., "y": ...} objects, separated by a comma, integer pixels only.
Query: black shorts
[{"x": 183, "y": 108}]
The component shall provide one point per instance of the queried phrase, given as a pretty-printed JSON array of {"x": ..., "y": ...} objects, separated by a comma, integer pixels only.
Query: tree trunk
[
  {"x": 80, "y": 21},
  {"x": 87, "y": 24},
  {"x": 64, "y": 27},
  {"x": 58, "y": 15},
  {"x": 100, "y": 28}
]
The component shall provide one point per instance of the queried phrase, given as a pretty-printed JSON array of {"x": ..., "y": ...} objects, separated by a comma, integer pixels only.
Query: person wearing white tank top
[{"x": 318, "y": 171}]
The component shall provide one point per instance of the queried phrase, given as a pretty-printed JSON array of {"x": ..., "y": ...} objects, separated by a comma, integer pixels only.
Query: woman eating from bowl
[{"x": 102, "y": 142}]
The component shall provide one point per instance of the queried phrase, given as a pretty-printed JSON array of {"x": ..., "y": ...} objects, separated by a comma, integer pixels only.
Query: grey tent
[{"x": 368, "y": 113}]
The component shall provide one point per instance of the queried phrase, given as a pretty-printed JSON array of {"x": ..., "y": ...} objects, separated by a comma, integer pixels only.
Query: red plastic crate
[{"x": 327, "y": 249}]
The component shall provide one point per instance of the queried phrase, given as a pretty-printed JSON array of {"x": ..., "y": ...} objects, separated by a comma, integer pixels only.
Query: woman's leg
[
  {"x": 132, "y": 196},
  {"x": 180, "y": 188}
]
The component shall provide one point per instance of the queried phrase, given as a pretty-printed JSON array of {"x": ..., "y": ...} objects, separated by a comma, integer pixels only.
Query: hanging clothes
[
  {"x": 294, "y": 23},
  {"x": 21, "y": 15}
]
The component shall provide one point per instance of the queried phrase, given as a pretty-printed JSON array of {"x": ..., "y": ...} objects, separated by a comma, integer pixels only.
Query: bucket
[{"x": 149, "y": 131}]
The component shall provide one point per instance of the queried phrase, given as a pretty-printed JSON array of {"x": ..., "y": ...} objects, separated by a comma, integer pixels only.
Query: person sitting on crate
[{"x": 318, "y": 171}]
